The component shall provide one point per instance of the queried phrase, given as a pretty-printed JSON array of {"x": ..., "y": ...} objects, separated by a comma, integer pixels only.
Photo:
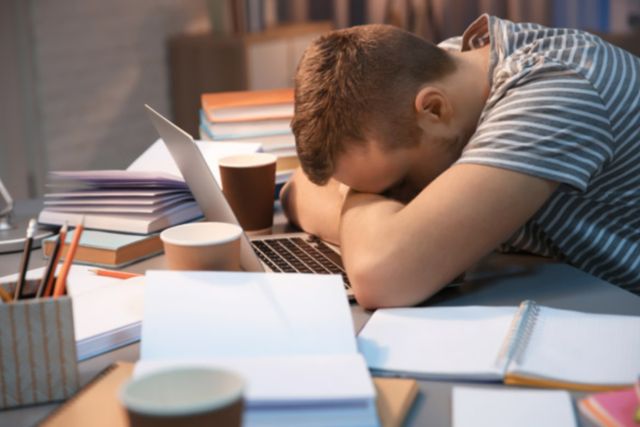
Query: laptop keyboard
[{"x": 297, "y": 255}]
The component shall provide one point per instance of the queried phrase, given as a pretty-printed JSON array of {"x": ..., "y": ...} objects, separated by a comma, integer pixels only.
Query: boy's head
[{"x": 359, "y": 85}]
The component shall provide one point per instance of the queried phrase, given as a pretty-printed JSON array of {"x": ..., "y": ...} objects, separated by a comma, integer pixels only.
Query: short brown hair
[{"x": 356, "y": 77}]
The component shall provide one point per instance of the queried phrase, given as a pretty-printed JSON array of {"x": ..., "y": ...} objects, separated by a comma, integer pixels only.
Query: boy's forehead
[{"x": 368, "y": 168}]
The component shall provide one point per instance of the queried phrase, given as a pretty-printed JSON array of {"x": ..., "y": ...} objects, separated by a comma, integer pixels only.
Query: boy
[{"x": 419, "y": 161}]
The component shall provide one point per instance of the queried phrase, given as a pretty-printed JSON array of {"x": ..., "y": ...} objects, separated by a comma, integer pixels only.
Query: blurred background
[{"x": 74, "y": 74}]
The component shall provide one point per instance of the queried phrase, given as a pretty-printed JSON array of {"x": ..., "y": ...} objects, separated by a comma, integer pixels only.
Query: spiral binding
[{"x": 517, "y": 340}]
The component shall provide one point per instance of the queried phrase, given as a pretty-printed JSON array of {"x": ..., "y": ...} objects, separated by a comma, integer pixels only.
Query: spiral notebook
[{"x": 528, "y": 345}]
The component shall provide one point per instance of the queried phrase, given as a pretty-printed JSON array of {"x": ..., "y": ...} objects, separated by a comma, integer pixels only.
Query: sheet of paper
[
  {"x": 283, "y": 379},
  {"x": 158, "y": 158},
  {"x": 117, "y": 176},
  {"x": 128, "y": 193},
  {"x": 437, "y": 342},
  {"x": 227, "y": 314},
  {"x": 116, "y": 201},
  {"x": 108, "y": 308},
  {"x": 484, "y": 407},
  {"x": 123, "y": 208}
]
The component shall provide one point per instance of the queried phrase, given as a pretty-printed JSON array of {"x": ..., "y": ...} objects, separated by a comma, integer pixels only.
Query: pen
[
  {"x": 44, "y": 289},
  {"x": 61, "y": 282},
  {"x": 114, "y": 273},
  {"x": 31, "y": 229}
]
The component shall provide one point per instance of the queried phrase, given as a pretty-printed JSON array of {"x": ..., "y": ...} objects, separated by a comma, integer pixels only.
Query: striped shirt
[{"x": 564, "y": 105}]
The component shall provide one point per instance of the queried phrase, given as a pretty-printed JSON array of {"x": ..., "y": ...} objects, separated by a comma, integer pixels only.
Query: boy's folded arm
[
  {"x": 315, "y": 209},
  {"x": 399, "y": 255}
]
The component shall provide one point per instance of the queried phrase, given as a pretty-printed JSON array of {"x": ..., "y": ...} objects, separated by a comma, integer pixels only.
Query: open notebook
[
  {"x": 529, "y": 345},
  {"x": 289, "y": 335}
]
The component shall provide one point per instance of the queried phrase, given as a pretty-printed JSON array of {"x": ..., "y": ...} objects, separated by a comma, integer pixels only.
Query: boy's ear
[{"x": 433, "y": 105}]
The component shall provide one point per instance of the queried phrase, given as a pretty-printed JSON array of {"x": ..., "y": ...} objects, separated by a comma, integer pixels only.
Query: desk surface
[{"x": 497, "y": 280}]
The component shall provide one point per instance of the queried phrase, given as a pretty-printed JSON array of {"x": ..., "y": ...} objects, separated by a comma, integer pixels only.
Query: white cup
[
  {"x": 202, "y": 246},
  {"x": 178, "y": 396}
]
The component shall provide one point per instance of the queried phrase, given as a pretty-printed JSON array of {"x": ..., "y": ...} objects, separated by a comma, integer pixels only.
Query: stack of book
[
  {"x": 261, "y": 116},
  {"x": 136, "y": 202}
]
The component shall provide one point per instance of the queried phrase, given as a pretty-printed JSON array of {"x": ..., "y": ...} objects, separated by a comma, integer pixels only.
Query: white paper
[
  {"x": 290, "y": 335},
  {"x": 158, "y": 158},
  {"x": 483, "y": 407},
  {"x": 223, "y": 314},
  {"x": 437, "y": 342},
  {"x": 289, "y": 378}
]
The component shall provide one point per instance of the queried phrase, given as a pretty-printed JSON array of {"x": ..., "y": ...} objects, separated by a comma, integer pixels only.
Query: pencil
[
  {"x": 48, "y": 288},
  {"x": 114, "y": 273},
  {"x": 61, "y": 282},
  {"x": 44, "y": 289},
  {"x": 5, "y": 296},
  {"x": 24, "y": 263}
]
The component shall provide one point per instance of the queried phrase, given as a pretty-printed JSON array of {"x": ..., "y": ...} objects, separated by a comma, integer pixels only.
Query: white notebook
[
  {"x": 530, "y": 345},
  {"x": 482, "y": 407},
  {"x": 290, "y": 335}
]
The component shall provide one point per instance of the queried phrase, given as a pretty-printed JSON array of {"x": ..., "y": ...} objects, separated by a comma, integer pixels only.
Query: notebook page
[
  {"x": 581, "y": 348},
  {"x": 437, "y": 342},
  {"x": 232, "y": 314},
  {"x": 481, "y": 407},
  {"x": 157, "y": 156}
]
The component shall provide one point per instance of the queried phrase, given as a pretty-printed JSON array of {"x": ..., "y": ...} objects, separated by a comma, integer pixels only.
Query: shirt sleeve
[{"x": 549, "y": 123}]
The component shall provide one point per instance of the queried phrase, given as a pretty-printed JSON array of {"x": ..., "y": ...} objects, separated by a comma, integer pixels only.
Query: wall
[{"x": 79, "y": 73}]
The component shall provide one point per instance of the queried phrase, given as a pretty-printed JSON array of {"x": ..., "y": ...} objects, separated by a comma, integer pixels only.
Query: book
[
  {"x": 395, "y": 396},
  {"x": 107, "y": 312},
  {"x": 527, "y": 345},
  {"x": 269, "y": 143},
  {"x": 139, "y": 202},
  {"x": 247, "y": 129},
  {"x": 98, "y": 401},
  {"x": 242, "y": 106},
  {"x": 483, "y": 407},
  {"x": 125, "y": 223},
  {"x": 108, "y": 249},
  {"x": 289, "y": 335},
  {"x": 613, "y": 408}
]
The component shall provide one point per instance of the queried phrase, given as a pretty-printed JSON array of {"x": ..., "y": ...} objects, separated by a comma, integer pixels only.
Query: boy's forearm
[
  {"x": 315, "y": 209},
  {"x": 398, "y": 255},
  {"x": 369, "y": 230}
]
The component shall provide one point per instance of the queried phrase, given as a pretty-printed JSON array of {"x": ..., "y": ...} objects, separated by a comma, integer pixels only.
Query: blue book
[{"x": 108, "y": 249}]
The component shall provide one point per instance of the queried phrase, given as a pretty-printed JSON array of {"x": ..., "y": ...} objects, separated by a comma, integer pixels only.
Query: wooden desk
[{"x": 498, "y": 280}]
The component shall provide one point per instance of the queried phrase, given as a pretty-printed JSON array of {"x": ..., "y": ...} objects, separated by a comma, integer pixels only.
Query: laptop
[{"x": 284, "y": 252}]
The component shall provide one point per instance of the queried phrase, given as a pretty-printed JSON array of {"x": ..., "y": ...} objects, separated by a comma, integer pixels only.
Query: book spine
[{"x": 520, "y": 331}]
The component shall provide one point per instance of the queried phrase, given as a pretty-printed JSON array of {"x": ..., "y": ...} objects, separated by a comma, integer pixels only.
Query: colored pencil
[
  {"x": 114, "y": 273},
  {"x": 61, "y": 281}
]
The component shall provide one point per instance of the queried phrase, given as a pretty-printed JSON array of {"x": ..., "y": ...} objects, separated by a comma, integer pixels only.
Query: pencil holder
[{"x": 38, "y": 360}]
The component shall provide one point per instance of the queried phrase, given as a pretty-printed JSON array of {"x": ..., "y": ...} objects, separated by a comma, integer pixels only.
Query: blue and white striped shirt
[{"x": 564, "y": 105}]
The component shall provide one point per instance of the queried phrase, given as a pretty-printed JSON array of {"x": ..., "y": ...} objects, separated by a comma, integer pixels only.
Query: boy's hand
[{"x": 315, "y": 209}]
